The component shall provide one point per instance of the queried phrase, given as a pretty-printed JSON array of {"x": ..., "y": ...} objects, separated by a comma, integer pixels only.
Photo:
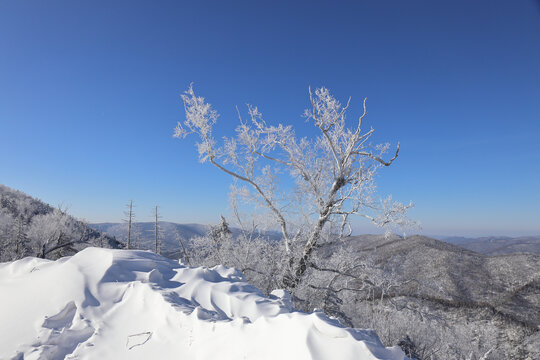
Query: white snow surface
[{"x": 127, "y": 304}]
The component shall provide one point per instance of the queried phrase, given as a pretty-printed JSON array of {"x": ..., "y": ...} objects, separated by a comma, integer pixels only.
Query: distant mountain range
[
  {"x": 496, "y": 245},
  {"x": 170, "y": 233}
]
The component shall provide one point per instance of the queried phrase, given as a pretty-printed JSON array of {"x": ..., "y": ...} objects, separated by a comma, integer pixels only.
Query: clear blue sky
[{"x": 89, "y": 97}]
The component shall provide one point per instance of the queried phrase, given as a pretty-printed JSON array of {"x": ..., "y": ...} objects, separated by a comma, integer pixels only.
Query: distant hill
[
  {"x": 496, "y": 245},
  {"x": 30, "y": 227}
]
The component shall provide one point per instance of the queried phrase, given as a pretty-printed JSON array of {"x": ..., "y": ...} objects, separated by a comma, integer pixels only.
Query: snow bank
[{"x": 121, "y": 304}]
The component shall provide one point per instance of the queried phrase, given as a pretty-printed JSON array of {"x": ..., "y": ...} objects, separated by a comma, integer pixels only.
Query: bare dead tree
[
  {"x": 157, "y": 244},
  {"x": 129, "y": 213},
  {"x": 184, "y": 250}
]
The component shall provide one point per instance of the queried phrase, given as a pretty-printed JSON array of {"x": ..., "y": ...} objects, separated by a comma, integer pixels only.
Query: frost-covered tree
[
  {"x": 60, "y": 233},
  {"x": 255, "y": 255},
  {"x": 333, "y": 173},
  {"x": 7, "y": 234},
  {"x": 20, "y": 238},
  {"x": 221, "y": 231},
  {"x": 29, "y": 227},
  {"x": 50, "y": 232}
]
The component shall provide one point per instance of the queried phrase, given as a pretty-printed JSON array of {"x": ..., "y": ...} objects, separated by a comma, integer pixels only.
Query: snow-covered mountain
[{"x": 125, "y": 304}]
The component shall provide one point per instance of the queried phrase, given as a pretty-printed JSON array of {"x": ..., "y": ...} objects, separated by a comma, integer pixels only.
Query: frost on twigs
[{"x": 200, "y": 117}]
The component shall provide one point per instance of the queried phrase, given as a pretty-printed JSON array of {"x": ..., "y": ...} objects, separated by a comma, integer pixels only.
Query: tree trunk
[
  {"x": 129, "y": 224},
  {"x": 42, "y": 254},
  {"x": 292, "y": 280},
  {"x": 156, "y": 231}
]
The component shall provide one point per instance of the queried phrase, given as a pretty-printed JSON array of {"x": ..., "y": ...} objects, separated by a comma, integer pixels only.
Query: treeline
[{"x": 29, "y": 227}]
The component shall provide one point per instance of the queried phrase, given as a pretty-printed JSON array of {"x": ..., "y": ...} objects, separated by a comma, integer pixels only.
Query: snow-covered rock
[{"x": 123, "y": 304}]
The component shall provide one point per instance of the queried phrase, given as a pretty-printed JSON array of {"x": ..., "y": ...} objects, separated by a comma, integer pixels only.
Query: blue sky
[{"x": 89, "y": 97}]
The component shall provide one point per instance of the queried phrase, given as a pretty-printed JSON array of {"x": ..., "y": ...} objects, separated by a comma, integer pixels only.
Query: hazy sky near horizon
[{"x": 89, "y": 98}]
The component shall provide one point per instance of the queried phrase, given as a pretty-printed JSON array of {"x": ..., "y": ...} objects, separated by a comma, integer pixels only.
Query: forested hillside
[{"x": 29, "y": 227}]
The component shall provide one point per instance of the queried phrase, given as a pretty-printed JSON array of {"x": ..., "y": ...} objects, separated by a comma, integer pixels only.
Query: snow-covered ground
[{"x": 123, "y": 304}]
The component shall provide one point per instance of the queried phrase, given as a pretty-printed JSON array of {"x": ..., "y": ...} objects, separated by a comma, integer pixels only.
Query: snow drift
[{"x": 120, "y": 304}]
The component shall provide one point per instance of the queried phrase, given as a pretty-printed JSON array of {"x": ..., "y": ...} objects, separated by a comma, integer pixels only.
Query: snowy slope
[{"x": 120, "y": 304}]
